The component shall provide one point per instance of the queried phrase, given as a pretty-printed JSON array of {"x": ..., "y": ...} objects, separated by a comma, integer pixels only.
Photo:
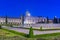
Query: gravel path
[{"x": 35, "y": 31}]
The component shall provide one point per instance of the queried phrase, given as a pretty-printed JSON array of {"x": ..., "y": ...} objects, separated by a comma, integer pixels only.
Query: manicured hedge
[{"x": 42, "y": 29}]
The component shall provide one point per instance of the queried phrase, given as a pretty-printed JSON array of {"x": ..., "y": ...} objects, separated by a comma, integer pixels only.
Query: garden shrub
[
  {"x": 30, "y": 32},
  {"x": 11, "y": 25},
  {"x": 41, "y": 28}
]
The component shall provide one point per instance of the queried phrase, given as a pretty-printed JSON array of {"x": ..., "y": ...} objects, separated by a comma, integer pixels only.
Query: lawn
[
  {"x": 52, "y": 36},
  {"x": 6, "y": 35},
  {"x": 6, "y": 32},
  {"x": 47, "y": 35},
  {"x": 13, "y": 35}
]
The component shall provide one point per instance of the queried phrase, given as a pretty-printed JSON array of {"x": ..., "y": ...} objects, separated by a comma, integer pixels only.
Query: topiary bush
[
  {"x": 11, "y": 25},
  {"x": 41, "y": 28},
  {"x": 31, "y": 32}
]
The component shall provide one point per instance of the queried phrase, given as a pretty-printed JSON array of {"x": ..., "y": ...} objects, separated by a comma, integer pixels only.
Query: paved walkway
[
  {"x": 35, "y": 31},
  {"x": 44, "y": 25}
]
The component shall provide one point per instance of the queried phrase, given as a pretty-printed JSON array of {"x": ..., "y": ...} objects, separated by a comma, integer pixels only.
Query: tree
[
  {"x": 11, "y": 25},
  {"x": 6, "y": 20},
  {"x": 59, "y": 20},
  {"x": 55, "y": 20},
  {"x": 31, "y": 32},
  {"x": 0, "y": 27},
  {"x": 47, "y": 19},
  {"x": 22, "y": 19}
]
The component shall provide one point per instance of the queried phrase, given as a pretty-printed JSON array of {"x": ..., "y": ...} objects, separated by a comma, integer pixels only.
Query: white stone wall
[
  {"x": 34, "y": 20},
  {"x": 2, "y": 20},
  {"x": 44, "y": 26},
  {"x": 14, "y": 21},
  {"x": 10, "y": 20}
]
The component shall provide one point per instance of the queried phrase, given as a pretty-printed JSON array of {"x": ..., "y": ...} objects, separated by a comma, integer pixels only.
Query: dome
[{"x": 28, "y": 13}]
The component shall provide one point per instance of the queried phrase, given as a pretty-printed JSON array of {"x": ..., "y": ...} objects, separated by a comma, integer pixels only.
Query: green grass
[
  {"x": 18, "y": 33},
  {"x": 47, "y": 35},
  {"x": 52, "y": 36},
  {"x": 6, "y": 33},
  {"x": 35, "y": 36},
  {"x": 13, "y": 35}
]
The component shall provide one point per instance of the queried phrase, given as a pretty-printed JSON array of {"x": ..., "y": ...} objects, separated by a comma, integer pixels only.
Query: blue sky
[{"x": 13, "y": 8}]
